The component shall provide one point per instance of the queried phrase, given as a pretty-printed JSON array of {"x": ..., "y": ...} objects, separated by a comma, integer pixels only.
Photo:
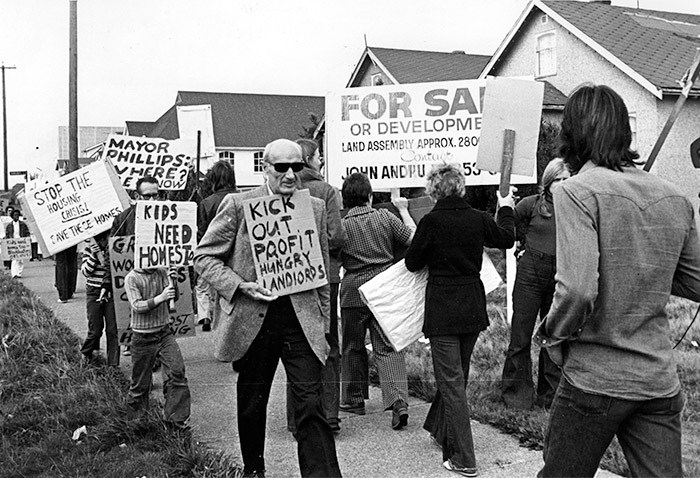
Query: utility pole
[
  {"x": 4, "y": 125},
  {"x": 73, "y": 89}
]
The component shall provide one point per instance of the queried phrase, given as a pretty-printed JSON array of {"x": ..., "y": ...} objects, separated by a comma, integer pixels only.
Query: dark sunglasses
[
  {"x": 284, "y": 167},
  {"x": 150, "y": 196}
]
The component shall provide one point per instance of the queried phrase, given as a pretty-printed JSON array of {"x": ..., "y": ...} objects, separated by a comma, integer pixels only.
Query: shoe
[
  {"x": 357, "y": 409},
  {"x": 206, "y": 326},
  {"x": 399, "y": 415},
  {"x": 127, "y": 351},
  {"x": 334, "y": 423},
  {"x": 62, "y": 301},
  {"x": 471, "y": 472}
]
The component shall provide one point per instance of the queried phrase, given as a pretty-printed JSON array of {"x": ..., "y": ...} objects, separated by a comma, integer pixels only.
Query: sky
[{"x": 135, "y": 55}]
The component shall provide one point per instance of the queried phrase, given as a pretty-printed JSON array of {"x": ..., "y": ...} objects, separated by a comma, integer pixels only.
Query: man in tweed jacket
[{"x": 258, "y": 328}]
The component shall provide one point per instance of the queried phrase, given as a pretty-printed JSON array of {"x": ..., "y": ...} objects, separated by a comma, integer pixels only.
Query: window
[
  {"x": 633, "y": 128},
  {"x": 258, "y": 166},
  {"x": 377, "y": 79},
  {"x": 227, "y": 156},
  {"x": 546, "y": 55},
  {"x": 544, "y": 19}
]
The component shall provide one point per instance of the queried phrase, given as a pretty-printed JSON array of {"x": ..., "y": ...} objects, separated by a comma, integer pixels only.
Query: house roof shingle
[
  {"x": 244, "y": 120},
  {"x": 414, "y": 66},
  {"x": 660, "y": 46}
]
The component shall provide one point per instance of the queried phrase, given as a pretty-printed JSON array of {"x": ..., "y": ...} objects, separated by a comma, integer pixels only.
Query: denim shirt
[{"x": 626, "y": 241}]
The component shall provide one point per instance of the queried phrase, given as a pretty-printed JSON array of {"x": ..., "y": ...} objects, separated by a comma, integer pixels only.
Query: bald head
[
  {"x": 283, "y": 160},
  {"x": 282, "y": 148}
]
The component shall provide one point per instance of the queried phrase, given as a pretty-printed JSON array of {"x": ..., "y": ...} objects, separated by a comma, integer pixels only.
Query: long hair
[
  {"x": 221, "y": 176},
  {"x": 553, "y": 169},
  {"x": 595, "y": 127}
]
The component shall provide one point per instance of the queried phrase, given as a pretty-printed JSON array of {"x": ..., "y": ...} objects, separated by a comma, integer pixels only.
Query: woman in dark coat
[{"x": 450, "y": 240}]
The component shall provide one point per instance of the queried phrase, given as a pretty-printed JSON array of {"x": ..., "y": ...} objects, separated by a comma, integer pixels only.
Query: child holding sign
[{"x": 149, "y": 291}]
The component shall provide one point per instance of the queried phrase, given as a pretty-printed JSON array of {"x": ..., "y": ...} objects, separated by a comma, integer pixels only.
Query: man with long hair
[{"x": 626, "y": 241}]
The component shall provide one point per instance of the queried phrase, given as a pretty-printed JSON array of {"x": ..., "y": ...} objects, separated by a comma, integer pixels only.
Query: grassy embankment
[
  {"x": 487, "y": 365},
  {"x": 46, "y": 393}
]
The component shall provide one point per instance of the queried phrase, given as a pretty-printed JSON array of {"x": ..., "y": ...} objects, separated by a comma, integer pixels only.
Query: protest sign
[
  {"x": 501, "y": 94},
  {"x": 121, "y": 258},
  {"x": 396, "y": 133},
  {"x": 166, "y": 233},
  {"x": 16, "y": 249},
  {"x": 192, "y": 119},
  {"x": 74, "y": 207},
  {"x": 283, "y": 236},
  {"x": 166, "y": 160}
]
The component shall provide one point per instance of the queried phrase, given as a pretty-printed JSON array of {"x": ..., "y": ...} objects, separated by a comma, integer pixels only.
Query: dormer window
[
  {"x": 546, "y": 55},
  {"x": 377, "y": 79}
]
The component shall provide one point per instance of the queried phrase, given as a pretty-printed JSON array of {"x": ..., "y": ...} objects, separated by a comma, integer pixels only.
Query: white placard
[
  {"x": 121, "y": 259},
  {"x": 190, "y": 120},
  {"x": 284, "y": 241},
  {"x": 16, "y": 248},
  {"x": 74, "y": 207},
  {"x": 166, "y": 233},
  {"x": 396, "y": 133},
  {"x": 501, "y": 95},
  {"x": 165, "y": 160}
]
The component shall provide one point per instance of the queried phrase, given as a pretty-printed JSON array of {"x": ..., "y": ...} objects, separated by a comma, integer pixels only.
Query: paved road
[{"x": 367, "y": 446}]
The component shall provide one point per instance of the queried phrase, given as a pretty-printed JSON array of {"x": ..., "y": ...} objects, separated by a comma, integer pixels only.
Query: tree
[{"x": 308, "y": 131}]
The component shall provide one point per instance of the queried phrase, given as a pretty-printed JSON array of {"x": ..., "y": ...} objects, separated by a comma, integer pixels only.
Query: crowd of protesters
[{"x": 606, "y": 365}]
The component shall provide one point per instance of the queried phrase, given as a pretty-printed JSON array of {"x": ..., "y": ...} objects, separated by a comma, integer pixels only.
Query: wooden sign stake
[
  {"x": 507, "y": 161},
  {"x": 690, "y": 76}
]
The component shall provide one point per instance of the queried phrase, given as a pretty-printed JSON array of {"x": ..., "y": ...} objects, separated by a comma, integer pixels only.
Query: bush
[{"x": 47, "y": 392}]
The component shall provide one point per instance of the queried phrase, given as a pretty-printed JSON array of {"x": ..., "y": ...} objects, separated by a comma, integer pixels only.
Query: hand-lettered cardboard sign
[
  {"x": 166, "y": 160},
  {"x": 515, "y": 104},
  {"x": 74, "y": 207},
  {"x": 166, "y": 233},
  {"x": 285, "y": 244},
  {"x": 396, "y": 133},
  {"x": 121, "y": 258},
  {"x": 16, "y": 249}
]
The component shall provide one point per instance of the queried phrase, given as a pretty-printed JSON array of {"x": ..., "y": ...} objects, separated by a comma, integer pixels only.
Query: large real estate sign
[{"x": 396, "y": 133}]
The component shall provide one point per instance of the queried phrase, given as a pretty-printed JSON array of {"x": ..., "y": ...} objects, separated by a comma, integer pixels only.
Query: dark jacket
[
  {"x": 23, "y": 230},
  {"x": 450, "y": 240},
  {"x": 125, "y": 223},
  {"x": 318, "y": 188},
  {"x": 207, "y": 210}
]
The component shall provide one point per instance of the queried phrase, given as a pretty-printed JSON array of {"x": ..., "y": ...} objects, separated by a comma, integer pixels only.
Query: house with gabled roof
[
  {"x": 389, "y": 66},
  {"x": 641, "y": 54},
  {"x": 243, "y": 124}
]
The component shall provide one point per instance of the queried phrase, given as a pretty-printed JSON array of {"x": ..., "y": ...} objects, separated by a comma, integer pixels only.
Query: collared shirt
[
  {"x": 625, "y": 242},
  {"x": 369, "y": 249}
]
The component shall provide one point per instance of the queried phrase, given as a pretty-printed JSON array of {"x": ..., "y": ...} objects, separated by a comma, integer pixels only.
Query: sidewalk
[{"x": 366, "y": 445}]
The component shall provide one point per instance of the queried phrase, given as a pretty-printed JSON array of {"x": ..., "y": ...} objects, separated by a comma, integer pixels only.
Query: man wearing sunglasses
[{"x": 258, "y": 328}]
